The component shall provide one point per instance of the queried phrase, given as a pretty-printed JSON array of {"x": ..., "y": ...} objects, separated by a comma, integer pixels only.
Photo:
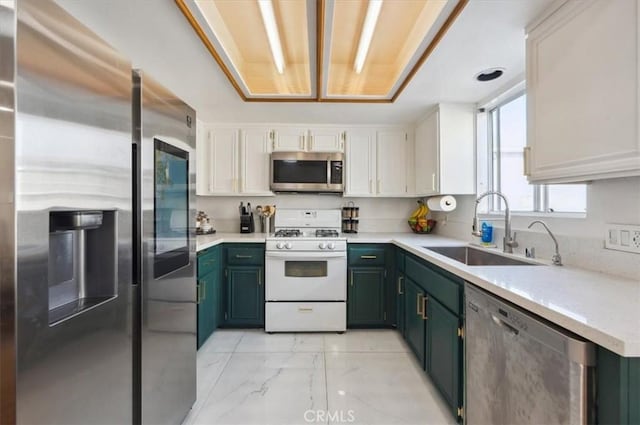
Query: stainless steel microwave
[{"x": 307, "y": 172}]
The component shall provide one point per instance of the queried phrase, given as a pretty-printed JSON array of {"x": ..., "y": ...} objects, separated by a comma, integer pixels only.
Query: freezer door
[{"x": 73, "y": 200}]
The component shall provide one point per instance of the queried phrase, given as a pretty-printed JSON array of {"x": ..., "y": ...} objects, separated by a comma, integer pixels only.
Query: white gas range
[{"x": 306, "y": 272}]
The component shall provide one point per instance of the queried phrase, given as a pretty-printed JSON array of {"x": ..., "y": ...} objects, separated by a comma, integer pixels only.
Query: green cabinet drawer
[
  {"x": 366, "y": 255},
  {"x": 444, "y": 287},
  {"x": 245, "y": 255},
  {"x": 208, "y": 259}
]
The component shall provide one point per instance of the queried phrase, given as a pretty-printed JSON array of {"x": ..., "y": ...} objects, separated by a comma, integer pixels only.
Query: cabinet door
[
  {"x": 245, "y": 296},
  {"x": 289, "y": 139},
  {"x": 202, "y": 158},
  {"x": 444, "y": 352},
  {"x": 456, "y": 149},
  {"x": 223, "y": 160},
  {"x": 414, "y": 323},
  {"x": 391, "y": 163},
  {"x": 360, "y": 157},
  {"x": 400, "y": 302},
  {"x": 582, "y": 93},
  {"x": 365, "y": 296},
  {"x": 206, "y": 307},
  {"x": 326, "y": 140},
  {"x": 254, "y": 161},
  {"x": 426, "y": 157}
]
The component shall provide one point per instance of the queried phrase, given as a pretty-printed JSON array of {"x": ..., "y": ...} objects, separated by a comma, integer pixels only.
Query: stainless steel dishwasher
[{"x": 523, "y": 370}]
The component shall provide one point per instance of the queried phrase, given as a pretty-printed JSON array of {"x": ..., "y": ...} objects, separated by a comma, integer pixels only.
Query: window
[{"x": 506, "y": 129}]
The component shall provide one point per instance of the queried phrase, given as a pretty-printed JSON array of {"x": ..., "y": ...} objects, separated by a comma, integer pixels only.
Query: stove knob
[
  {"x": 279, "y": 245},
  {"x": 288, "y": 245},
  {"x": 331, "y": 245},
  {"x": 322, "y": 245}
]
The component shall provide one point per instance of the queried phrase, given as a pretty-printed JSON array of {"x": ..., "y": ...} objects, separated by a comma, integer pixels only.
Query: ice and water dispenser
[{"x": 82, "y": 261}]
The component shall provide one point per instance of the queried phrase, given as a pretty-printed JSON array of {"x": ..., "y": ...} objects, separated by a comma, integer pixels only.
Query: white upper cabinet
[
  {"x": 444, "y": 151},
  {"x": 223, "y": 161},
  {"x": 305, "y": 139},
  {"x": 360, "y": 162},
  {"x": 289, "y": 139},
  {"x": 254, "y": 161},
  {"x": 377, "y": 163},
  {"x": 202, "y": 161},
  {"x": 232, "y": 161},
  {"x": 583, "y": 92},
  {"x": 326, "y": 140},
  {"x": 392, "y": 163}
]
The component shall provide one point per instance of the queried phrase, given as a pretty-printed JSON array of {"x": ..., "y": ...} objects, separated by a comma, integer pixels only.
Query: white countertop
[
  {"x": 602, "y": 308},
  {"x": 207, "y": 241}
]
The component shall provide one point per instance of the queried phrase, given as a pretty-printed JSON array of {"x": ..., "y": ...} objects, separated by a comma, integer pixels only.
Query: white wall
[
  {"x": 581, "y": 240},
  {"x": 376, "y": 214}
]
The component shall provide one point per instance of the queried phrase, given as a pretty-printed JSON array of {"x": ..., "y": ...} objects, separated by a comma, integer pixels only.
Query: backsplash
[
  {"x": 376, "y": 214},
  {"x": 581, "y": 240}
]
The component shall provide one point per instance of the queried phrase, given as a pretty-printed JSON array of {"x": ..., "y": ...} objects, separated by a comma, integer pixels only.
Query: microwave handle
[{"x": 328, "y": 171}]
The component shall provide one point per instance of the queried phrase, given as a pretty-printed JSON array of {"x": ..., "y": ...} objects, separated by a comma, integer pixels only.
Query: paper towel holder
[{"x": 441, "y": 203}]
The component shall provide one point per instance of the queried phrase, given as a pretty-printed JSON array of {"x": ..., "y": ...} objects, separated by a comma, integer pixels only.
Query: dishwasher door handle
[{"x": 498, "y": 321}]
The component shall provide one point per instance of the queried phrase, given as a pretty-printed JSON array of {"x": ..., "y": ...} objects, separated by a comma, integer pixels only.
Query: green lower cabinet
[
  {"x": 399, "y": 298},
  {"x": 444, "y": 353},
  {"x": 209, "y": 293},
  {"x": 618, "y": 388},
  {"x": 206, "y": 307},
  {"x": 366, "y": 296},
  {"x": 399, "y": 288},
  {"x": 245, "y": 296},
  {"x": 414, "y": 322}
]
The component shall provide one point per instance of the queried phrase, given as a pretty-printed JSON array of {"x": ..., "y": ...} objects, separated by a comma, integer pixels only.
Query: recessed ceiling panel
[
  {"x": 320, "y": 50},
  {"x": 238, "y": 31},
  {"x": 399, "y": 32}
]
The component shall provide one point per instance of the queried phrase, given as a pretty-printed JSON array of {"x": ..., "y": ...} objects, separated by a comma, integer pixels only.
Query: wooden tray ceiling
[{"x": 319, "y": 40}]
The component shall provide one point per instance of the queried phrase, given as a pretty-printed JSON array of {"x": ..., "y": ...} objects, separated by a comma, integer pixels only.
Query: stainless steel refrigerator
[{"x": 97, "y": 242}]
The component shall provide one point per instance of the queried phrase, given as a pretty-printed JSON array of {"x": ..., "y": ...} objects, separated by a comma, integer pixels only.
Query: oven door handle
[{"x": 309, "y": 255}]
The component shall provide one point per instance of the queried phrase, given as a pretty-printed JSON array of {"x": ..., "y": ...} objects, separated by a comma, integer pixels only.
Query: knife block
[{"x": 247, "y": 224}]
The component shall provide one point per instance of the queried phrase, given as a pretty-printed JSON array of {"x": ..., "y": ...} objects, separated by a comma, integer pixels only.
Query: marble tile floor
[{"x": 248, "y": 377}]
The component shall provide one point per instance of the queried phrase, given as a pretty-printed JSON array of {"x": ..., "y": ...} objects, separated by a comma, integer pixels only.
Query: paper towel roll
[{"x": 442, "y": 203}]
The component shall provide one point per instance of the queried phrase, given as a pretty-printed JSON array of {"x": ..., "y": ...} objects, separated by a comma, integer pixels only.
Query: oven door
[{"x": 306, "y": 276}]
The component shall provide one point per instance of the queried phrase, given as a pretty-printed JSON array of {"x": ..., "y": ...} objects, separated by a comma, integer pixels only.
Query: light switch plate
[{"x": 622, "y": 237}]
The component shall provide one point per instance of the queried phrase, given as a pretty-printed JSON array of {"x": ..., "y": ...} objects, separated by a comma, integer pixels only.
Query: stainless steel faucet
[
  {"x": 508, "y": 242},
  {"x": 556, "y": 259}
]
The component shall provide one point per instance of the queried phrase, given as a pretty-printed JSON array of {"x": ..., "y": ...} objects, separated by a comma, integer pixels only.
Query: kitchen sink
[{"x": 477, "y": 257}]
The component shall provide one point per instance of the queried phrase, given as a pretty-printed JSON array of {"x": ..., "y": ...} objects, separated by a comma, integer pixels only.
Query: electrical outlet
[
  {"x": 622, "y": 237},
  {"x": 635, "y": 239}
]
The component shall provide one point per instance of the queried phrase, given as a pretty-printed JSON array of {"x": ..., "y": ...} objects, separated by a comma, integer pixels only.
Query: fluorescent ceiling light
[
  {"x": 269, "y": 19},
  {"x": 370, "y": 20}
]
